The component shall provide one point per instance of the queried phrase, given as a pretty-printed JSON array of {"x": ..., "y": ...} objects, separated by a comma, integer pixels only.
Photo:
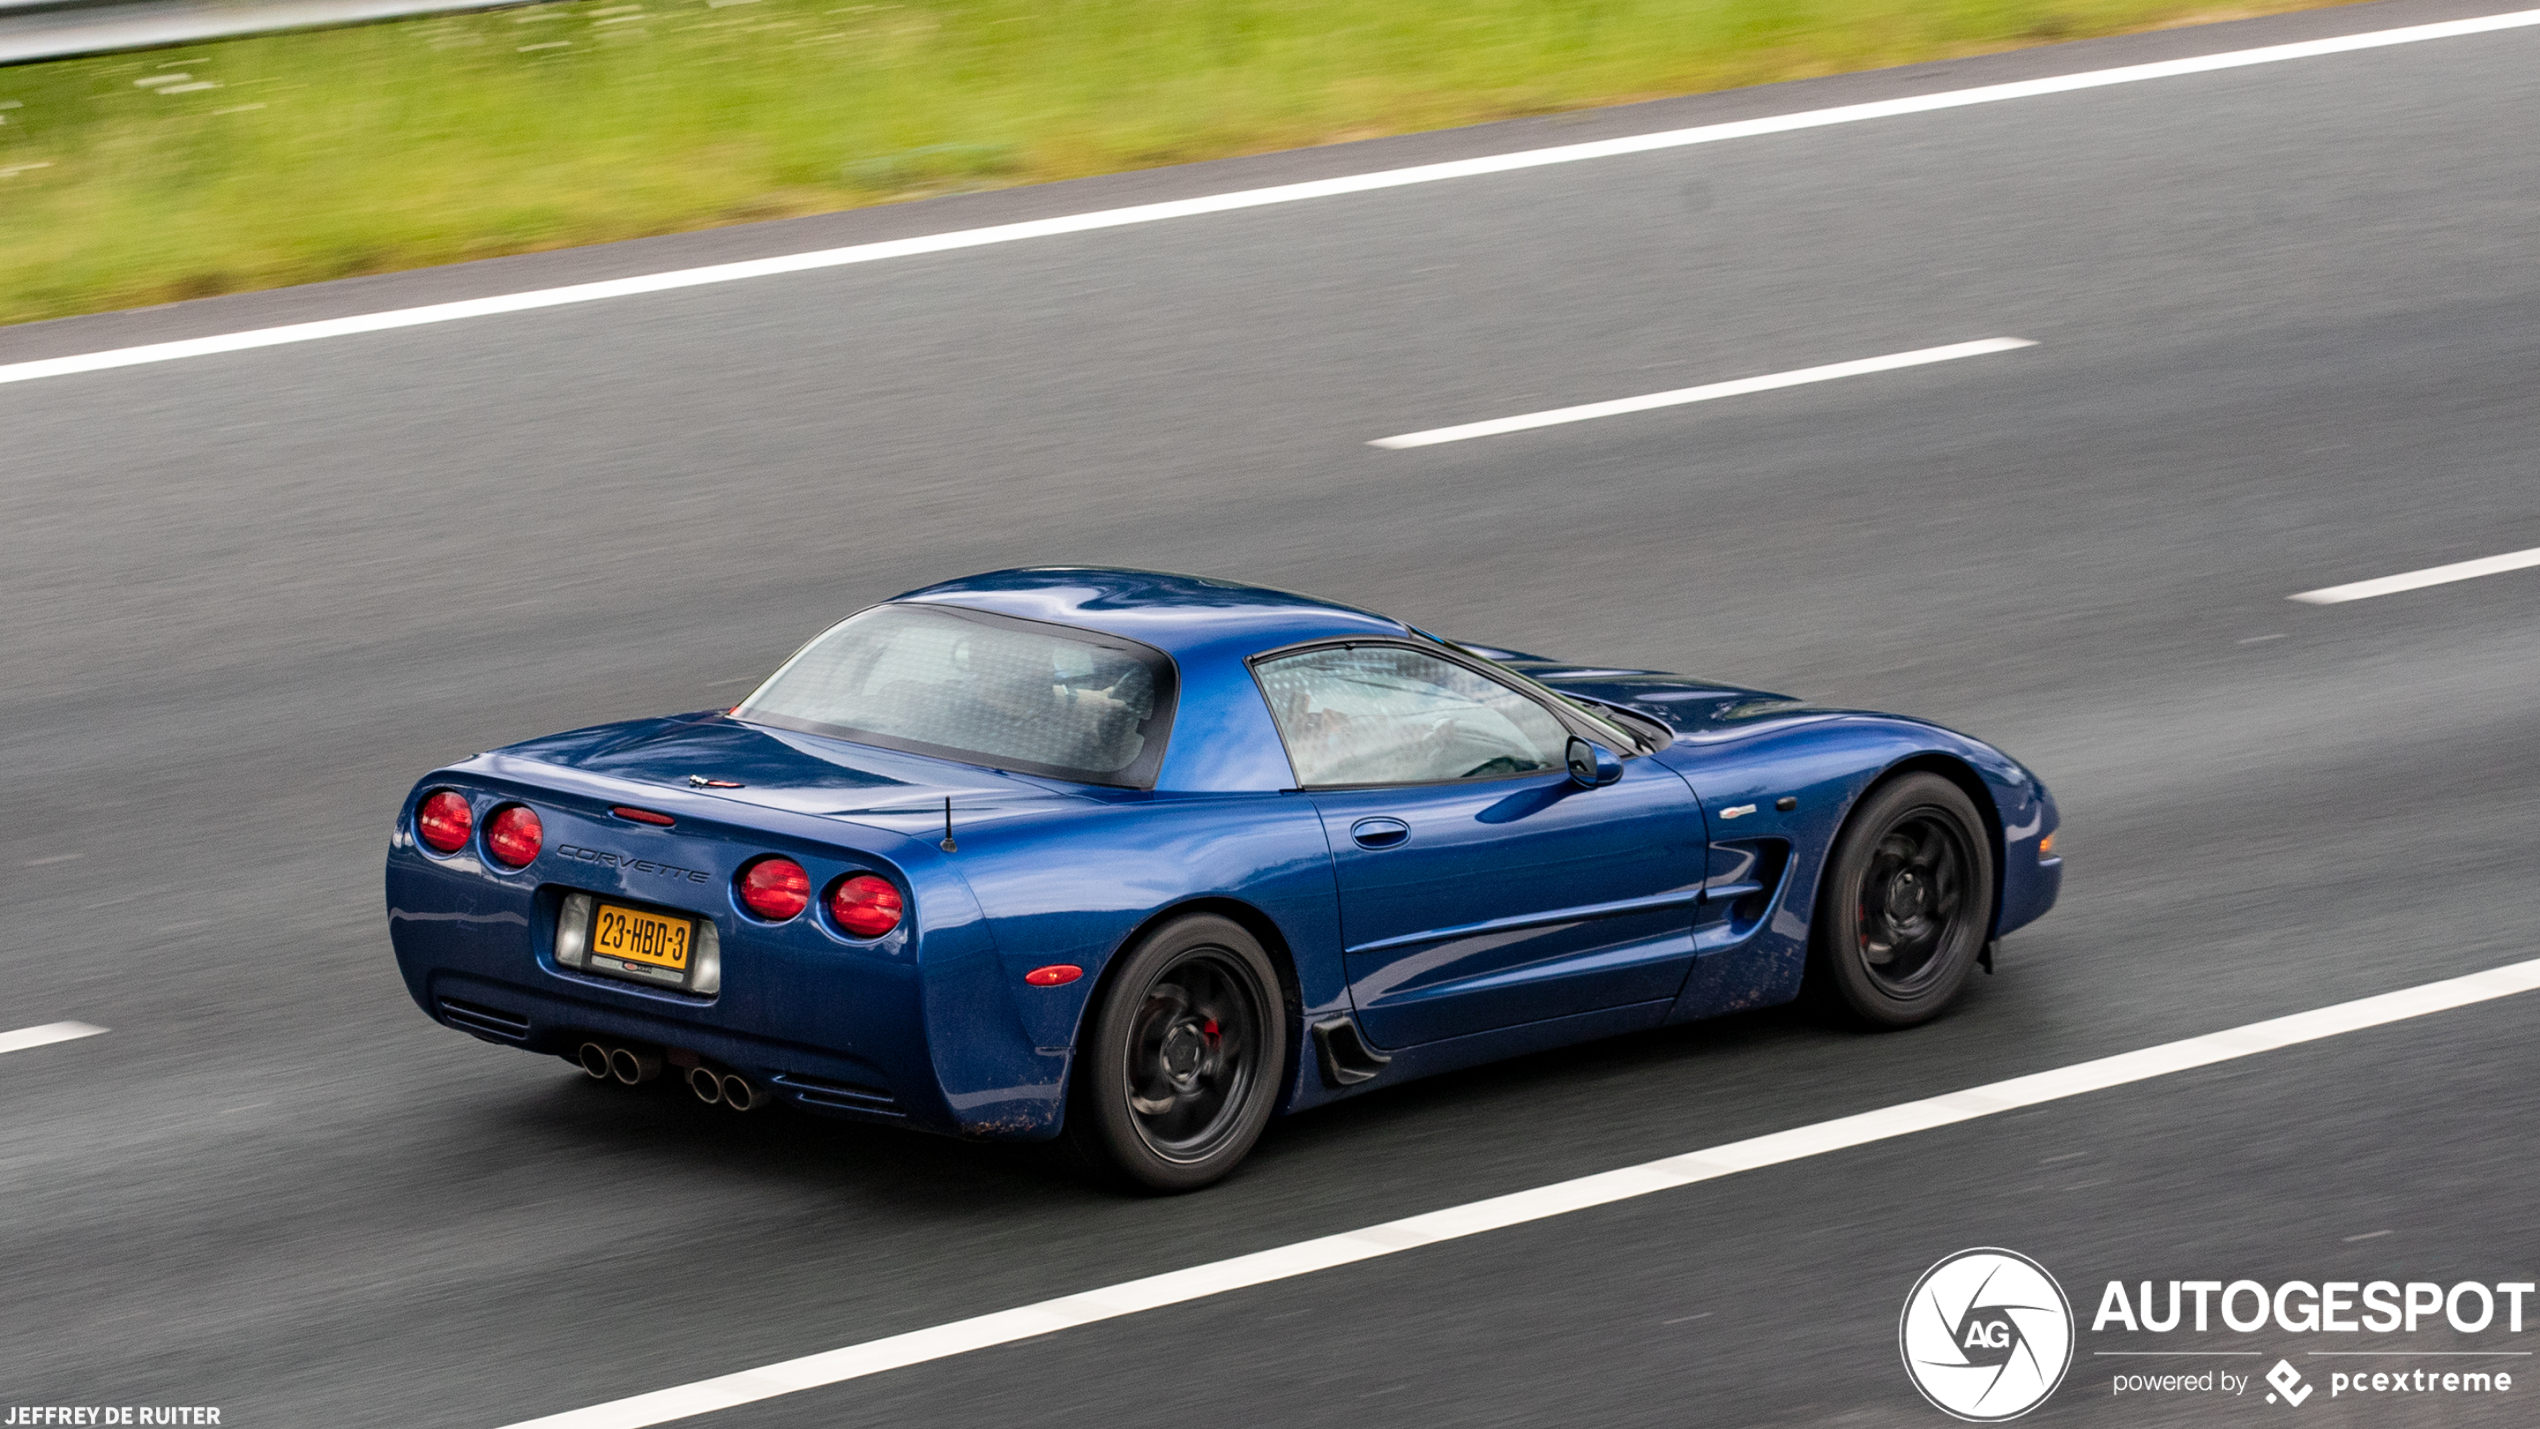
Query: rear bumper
[
  {"x": 864, "y": 1029},
  {"x": 536, "y": 1020}
]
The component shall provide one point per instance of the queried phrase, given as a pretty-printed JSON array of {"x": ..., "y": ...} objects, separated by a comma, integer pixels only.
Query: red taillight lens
[
  {"x": 775, "y": 888},
  {"x": 513, "y": 835},
  {"x": 443, "y": 822},
  {"x": 865, "y": 906}
]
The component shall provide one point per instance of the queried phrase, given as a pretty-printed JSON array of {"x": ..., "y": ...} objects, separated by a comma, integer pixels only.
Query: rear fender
[{"x": 1075, "y": 889}]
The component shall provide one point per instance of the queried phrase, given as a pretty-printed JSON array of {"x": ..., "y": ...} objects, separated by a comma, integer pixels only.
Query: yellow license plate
[{"x": 635, "y": 936}]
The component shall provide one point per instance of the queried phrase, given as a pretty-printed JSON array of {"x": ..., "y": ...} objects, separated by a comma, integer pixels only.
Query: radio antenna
[{"x": 948, "y": 845}]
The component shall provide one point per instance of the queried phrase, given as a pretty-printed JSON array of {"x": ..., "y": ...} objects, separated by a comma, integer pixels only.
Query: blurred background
[{"x": 155, "y": 174}]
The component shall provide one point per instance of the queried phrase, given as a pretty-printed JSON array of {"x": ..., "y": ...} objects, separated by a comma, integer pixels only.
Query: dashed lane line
[
  {"x": 2418, "y": 580},
  {"x": 1285, "y": 1262},
  {"x": 45, "y": 1035},
  {"x": 1255, "y": 198},
  {"x": 1739, "y": 387}
]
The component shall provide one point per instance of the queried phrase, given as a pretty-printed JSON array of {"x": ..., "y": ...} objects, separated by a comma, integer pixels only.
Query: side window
[{"x": 1379, "y": 714}]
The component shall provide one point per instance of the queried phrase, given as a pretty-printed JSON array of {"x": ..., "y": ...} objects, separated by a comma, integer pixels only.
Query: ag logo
[{"x": 1986, "y": 1335}]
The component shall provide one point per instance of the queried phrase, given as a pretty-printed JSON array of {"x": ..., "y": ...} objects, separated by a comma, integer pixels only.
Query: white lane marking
[
  {"x": 2418, "y": 580},
  {"x": 1517, "y": 1208},
  {"x": 1253, "y": 198},
  {"x": 45, "y": 1035},
  {"x": 1771, "y": 381}
]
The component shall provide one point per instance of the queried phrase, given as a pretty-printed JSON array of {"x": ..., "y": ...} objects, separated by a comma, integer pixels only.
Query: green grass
[{"x": 294, "y": 158}]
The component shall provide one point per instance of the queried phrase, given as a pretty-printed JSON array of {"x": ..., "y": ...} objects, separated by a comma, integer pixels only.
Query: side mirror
[{"x": 1592, "y": 765}]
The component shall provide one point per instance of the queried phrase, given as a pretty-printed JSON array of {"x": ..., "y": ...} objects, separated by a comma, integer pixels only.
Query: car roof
[{"x": 1178, "y": 614}]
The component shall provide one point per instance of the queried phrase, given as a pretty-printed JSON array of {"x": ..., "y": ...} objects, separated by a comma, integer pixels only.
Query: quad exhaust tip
[
  {"x": 630, "y": 1065},
  {"x": 742, "y": 1094},
  {"x": 716, "y": 1086},
  {"x": 634, "y": 1066},
  {"x": 706, "y": 1084}
]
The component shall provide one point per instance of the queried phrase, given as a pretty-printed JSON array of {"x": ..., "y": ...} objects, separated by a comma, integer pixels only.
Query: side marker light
[
  {"x": 1056, "y": 974},
  {"x": 2046, "y": 846}
]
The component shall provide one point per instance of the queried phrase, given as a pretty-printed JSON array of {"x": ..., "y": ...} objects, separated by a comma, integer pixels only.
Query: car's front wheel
[
  {"x": 1905, "y": 905},
  {"x": 1178, "y": 1066}
]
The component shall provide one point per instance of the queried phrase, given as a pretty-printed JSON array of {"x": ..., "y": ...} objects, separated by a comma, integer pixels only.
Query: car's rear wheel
[
  {"x": 1178, "y": 1065},
  {"x": 1905, "y": 905}
]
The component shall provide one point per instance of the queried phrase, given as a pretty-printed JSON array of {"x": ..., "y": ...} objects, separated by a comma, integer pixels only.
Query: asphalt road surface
[{"x": 2288, "y": 330}]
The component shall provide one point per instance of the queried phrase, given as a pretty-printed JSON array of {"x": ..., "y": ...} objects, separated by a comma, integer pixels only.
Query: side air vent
[
  {"x": 1746, "y": 879},
  {"x": 491, "y": 1023},
  {"x": 1772, "y": 856},
  {"x": 837, "y": 1096},
  {"x": 1346, "y": 1058}
]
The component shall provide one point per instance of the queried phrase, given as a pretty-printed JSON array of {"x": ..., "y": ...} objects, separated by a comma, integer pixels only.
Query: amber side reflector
[
  {"x": 2045, "y": 846},
  {"x": 642, "y": 816},
  {"x": 1054, "y": 975}
]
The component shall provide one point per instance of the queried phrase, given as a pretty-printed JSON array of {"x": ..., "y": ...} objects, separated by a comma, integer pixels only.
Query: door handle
[{"x": 1379, "y": 833}]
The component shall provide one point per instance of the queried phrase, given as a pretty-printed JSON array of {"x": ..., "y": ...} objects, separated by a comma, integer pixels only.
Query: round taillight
[
  {"x": 775, "y": 888},
  {"x": 443, "y": 821},
  {"x": 865, "y": 906},
  {"x": 513, "y": 835}
]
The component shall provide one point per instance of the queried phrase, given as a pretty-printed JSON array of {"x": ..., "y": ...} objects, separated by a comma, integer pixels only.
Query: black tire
[
  {"x": 1179, "y": 1064},
  {"x": 1905, "y": 905}
]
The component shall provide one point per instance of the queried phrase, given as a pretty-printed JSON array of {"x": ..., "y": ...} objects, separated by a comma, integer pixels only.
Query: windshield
[
  {"x": 1625, "y": 737},
  {"x": 987, "y": 689}
]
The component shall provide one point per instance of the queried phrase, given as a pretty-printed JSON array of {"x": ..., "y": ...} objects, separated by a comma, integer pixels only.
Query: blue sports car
[{"x": 1140, "y": 860}]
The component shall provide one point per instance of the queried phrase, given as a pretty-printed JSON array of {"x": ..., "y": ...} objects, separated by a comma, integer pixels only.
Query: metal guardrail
[
  {"x": 32, "y": 30},
  {"x": 10, "y": 8}
]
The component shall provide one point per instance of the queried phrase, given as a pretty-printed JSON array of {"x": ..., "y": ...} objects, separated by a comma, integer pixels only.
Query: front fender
[{"x": 1824, "y": 761}]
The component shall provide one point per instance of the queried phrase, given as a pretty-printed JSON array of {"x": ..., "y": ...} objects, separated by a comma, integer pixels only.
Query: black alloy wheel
[
  {"x": 1179, "y": 1064},
  {"x": 1905, "y": 905}
]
